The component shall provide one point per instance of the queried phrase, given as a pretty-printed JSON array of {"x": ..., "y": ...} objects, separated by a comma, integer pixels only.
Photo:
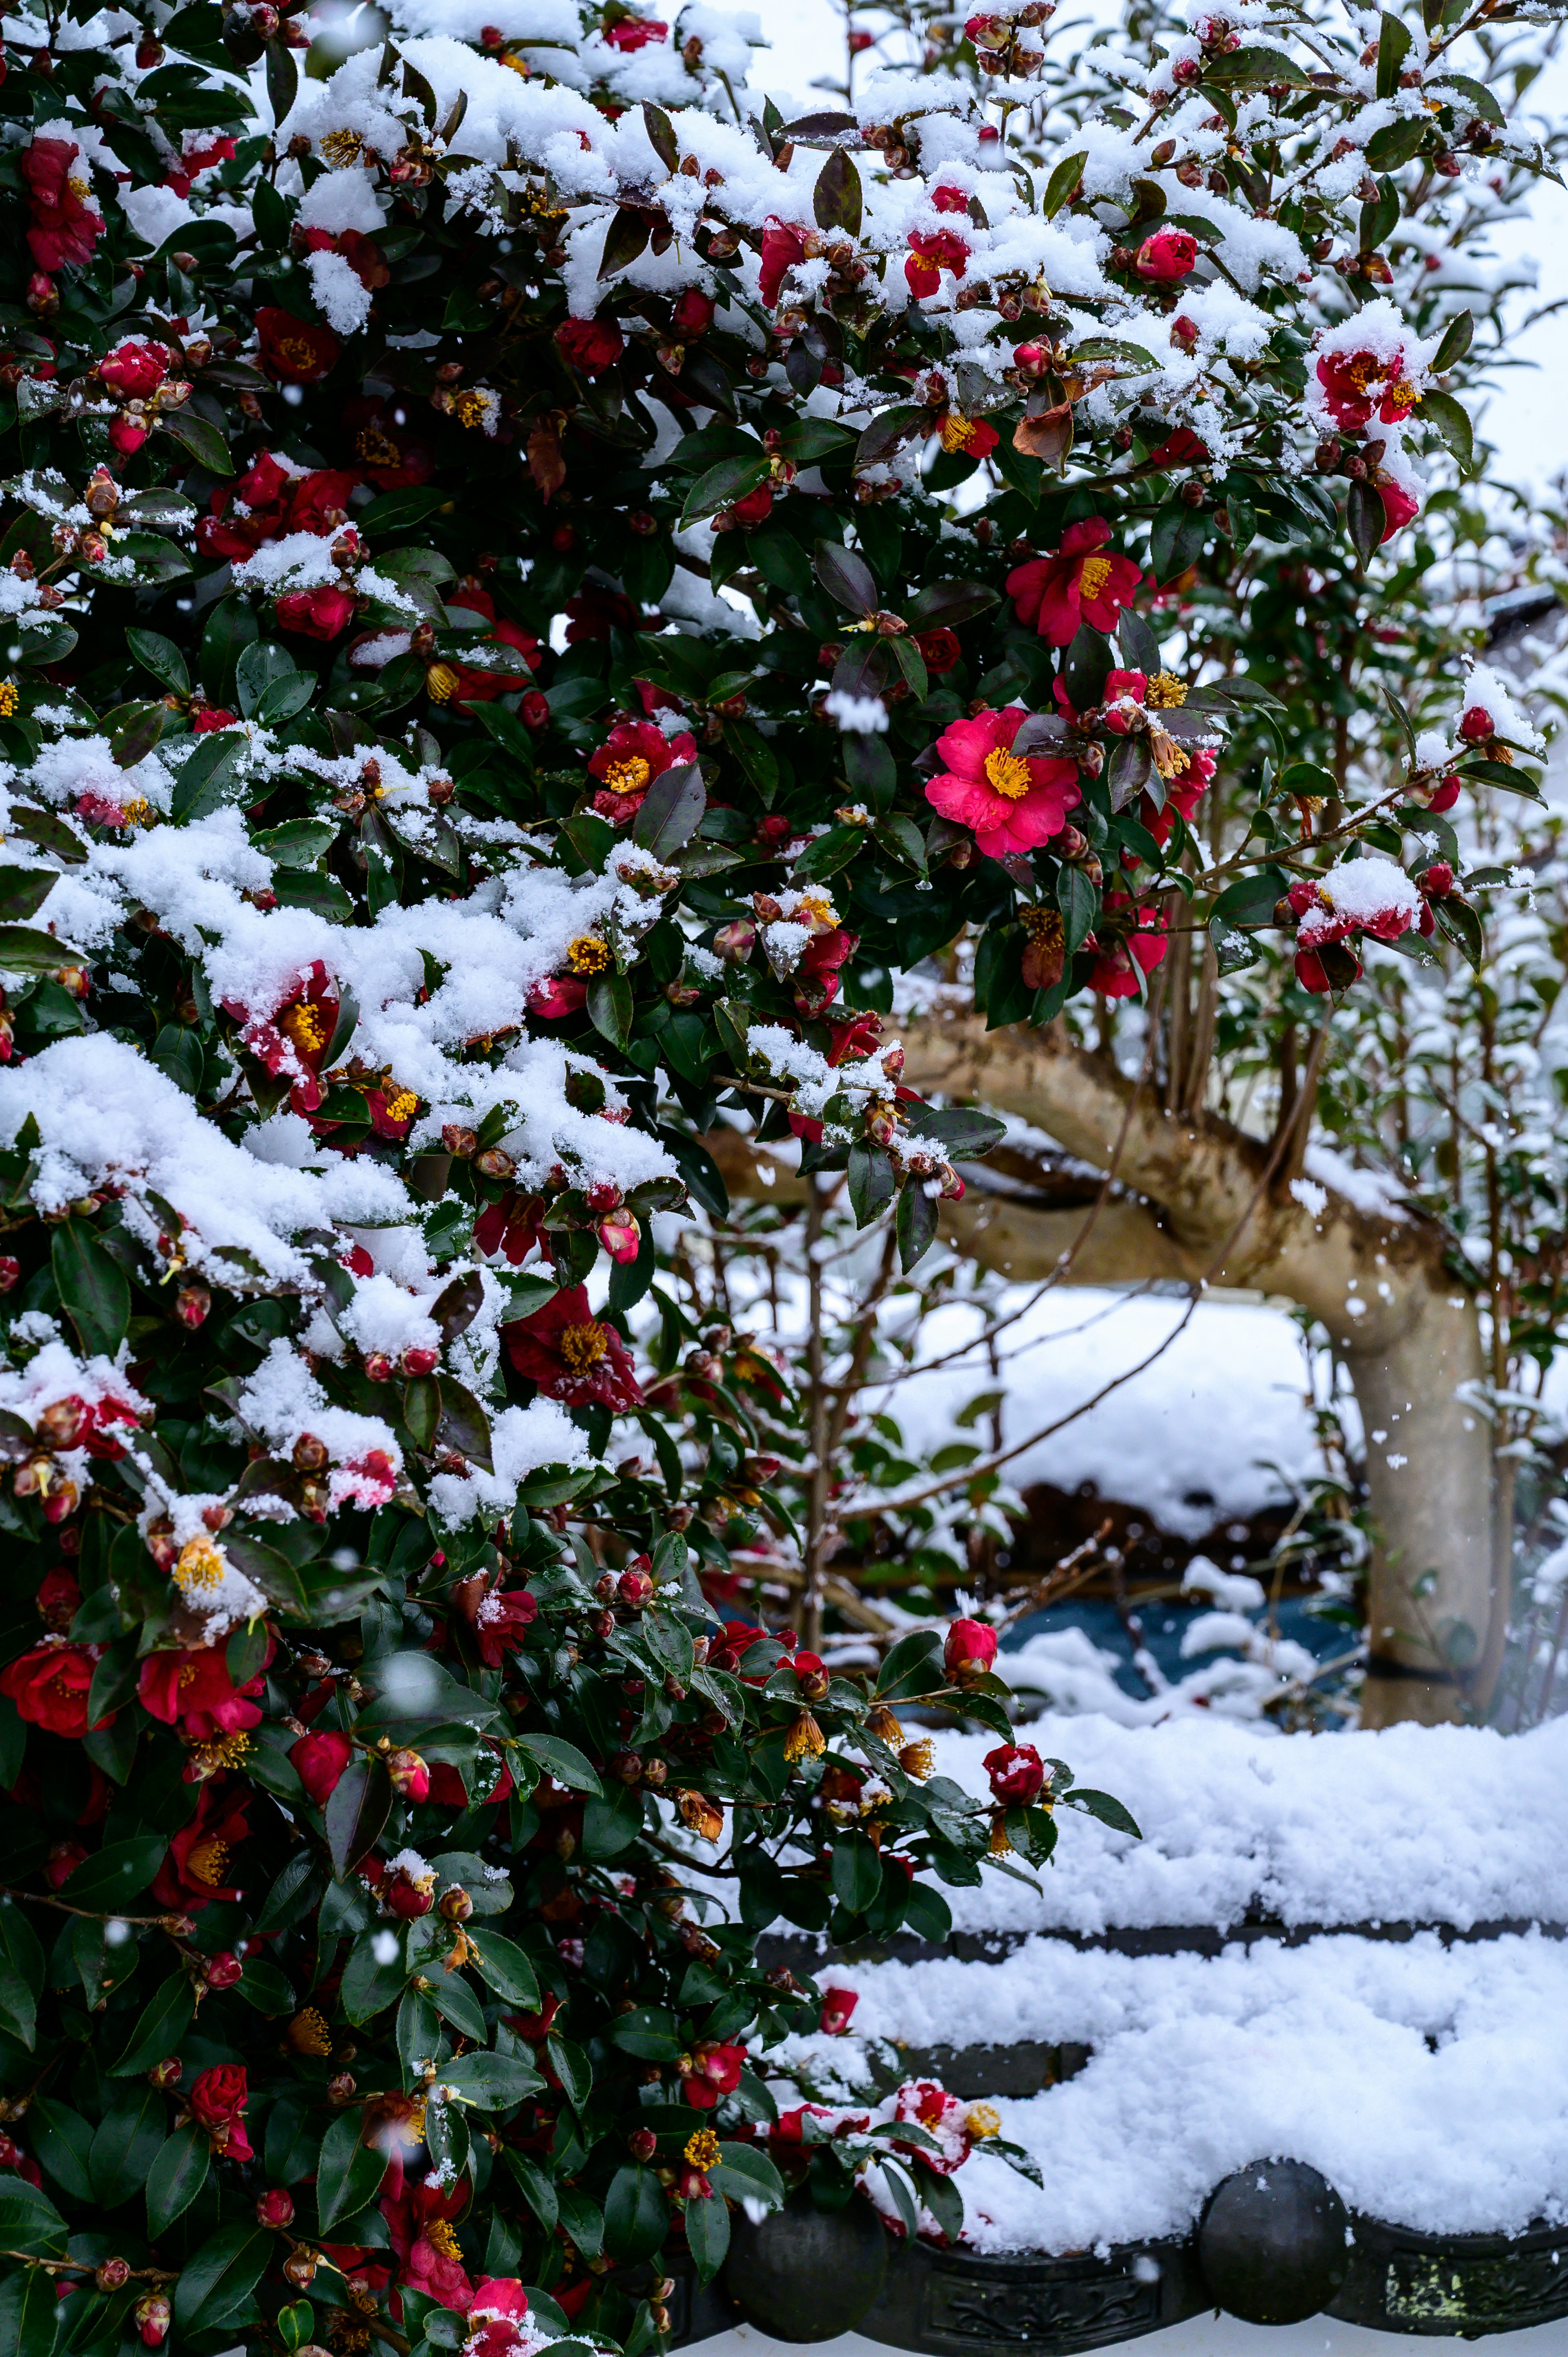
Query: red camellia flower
[
  {"x": 460, "y": 684},
  {"x": 135, "y": 370},
  {"x": 1130, "y": 941},
  {"x": 949, "y": 200},
  {"x": 970, "y": 1650},
  {"x": 500, "y": 1620},
  {"x": 940, "y": 650},
  {"x": 1354, "y": 384},
  {"x": 635, "y": 32},
  {"x": 1013, "y": 801},
  {"x": 392, "y": 458},
  {"x": 782, "y": 247},
  {"x": 1400, "y": 508},
  {"x": 966, "y": 437},
  {"x": 59, "y": 1598},
  {"x": 64, "y": 228},
  {"x": 323, "y": 613},
  {"x": 276, "y": 502},
  {"x": 693, "y": 315},
  {"x": 1168, "y": 255},
  {"x": 295, "y": 351},
  {"x": 1182, "y": 794},
  {"x": 633, "y": 754},
  {"x": 196, "y": 160},
  {"x": 1076, "y": 585},
  {"x": 1476, "y": 724},
  {"x": 930, "y": 253},
  {"x": 838, "y": 2005},
  {"x": 715, "y": 2070},
  {"x": 319, "y": 1761},
  {"x": 590, "y": 345},
  {"x": 197, "y": 1861},
  {"x": 211, "y": 717},
  {"x": 50, "y": 1687},
  {"x": 1181, "y": 448},
  {"x": 1017, "y": 1773},
  {"x": 295, "y": 1039},
  {"x": 195, "y": 1688},
  {"x": 572, "y": 1356},
  {"x": 362, "y": 255},
  {"x": 218, "y": 2101},
  {"x": 419, "y": 2226}
]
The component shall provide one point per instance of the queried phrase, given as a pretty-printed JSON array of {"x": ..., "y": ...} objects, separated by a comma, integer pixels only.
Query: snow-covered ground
[{"x": 1428, "y": 2081}]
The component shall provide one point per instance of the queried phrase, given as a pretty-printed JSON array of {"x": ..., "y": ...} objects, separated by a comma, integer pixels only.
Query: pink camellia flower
[
  {"x": 1182, "y": 449},
  {"x": 1013, "y": 801},
  {"x": 714, "y": 2071},
  {"x": 1017, "y": 1774},
  {"x": 620, "y": 1235},
  {"x": 782, "y": 247},
  {"x": 633, "y": 754},
  {"x": 1122, "y": 688},
  {"x": 970, "y": 1650},
  {"x": 590, "y": 344},
  {"x": 838, "y": 2005},
  {"x": 1168, "y": 255},
  {"x": 557, "y": 996},
  {"x": 1354, "y": 384},
  {"x": 1076, "y": 585},
  {"x": 1129, "y": 941}
]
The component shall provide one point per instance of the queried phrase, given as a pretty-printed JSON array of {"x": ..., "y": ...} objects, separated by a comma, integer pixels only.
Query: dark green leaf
[
  {"x": 636, "y": 2216},
  {"x": 1103, "y": 1805},
  {"x": 707, "y": 2228},
  {"x": 672, "y": 811},
  {"x": 845, "y": 578},
  {"x": 1063, "y": 183},
  {"x": 350, "y": 2174},
  {"x": 355, "y": 1811},
  {"x": 1393, "y": 47},
  {"x": 163, "y": 2022},
  {"x": 1365, "y": 520},
  {"x": 722, "y": 485},
  {"x": 837, "y": 203},
  {"x": 108, "y": 1883},
  {"x": 494, "y": 2081},
  {"x": 197, "y": 435},
  {"x": 625, "y": 240},
  {"x": 217, "y": 2284},
  {"x": 30, "y": 2221},
  {"x": 177, "y": 2177},
  {"x": 162, "y": 658}
]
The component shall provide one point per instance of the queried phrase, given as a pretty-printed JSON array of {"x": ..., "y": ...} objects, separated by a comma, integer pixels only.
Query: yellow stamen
[
  {"x": 1164, "y": 692},
  {"x": 304, "y": 1024},
  {"x": 1092, "y": 576},
  {"x": 1401, "y": 395},
  {"x": 342, "y": 148},
  {"x": 804, "y": 1736},
  {"x": 9, "y": 699},
  {"x": 201, "y": 1566},
  {"x": 983, "y": 2120},
  {"x": 627, "y": 777},
  {"x": 581, "y": 1347},
  {"x": 702, "y": 2149},
  {"x": 308, "y": 2034},
  {"x": 958, "y": 433},
  {"x": 1007, "y": 773},
  {"x": 402, "y": 1104},
  {"x": 471, "y": 408},
  {"x": 917, "y": 1760},
  {"x": 1169, "y": 759},
  {"x": 440, "y": 680},
  {"x": 587, "y": 955},
  {"x": 440, "y": 2237},
  {"x": 209, "y": 1863}
]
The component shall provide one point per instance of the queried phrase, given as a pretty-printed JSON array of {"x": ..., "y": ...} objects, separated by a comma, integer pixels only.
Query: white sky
[{"x": 1527, "y": 416}]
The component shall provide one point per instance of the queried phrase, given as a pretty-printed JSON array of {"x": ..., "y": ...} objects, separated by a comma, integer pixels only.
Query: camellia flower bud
[
  {"x": 193, "y": 1304},
  {"x": 341, "y": 2090},
  {"x": 735, "y": 942},
  {"x": 419, "y": 1360},
  {"x": 635, "y": 1589},
  {"x": 970, "y": 1650},
  {"x": 151, "y": 2314},
  {"x": 166, "y": 2073},
  {"x": 10, "y": 1273},
  {"x": 275, "y": 2207},
  {"x": 300, "y": 2268},
  {"x": 378, "y": 1367},
  {"x": 642, "y": 2144},
  {"x": 222, "y": 1972},
  {"x": 112, "y": 2275},
  {"x": 409, "y": 1775},
  {"x": 454, "y": 1906}
]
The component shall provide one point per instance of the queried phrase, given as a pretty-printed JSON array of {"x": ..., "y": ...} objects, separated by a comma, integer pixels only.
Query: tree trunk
[{"x": 1214, "y": 1215}]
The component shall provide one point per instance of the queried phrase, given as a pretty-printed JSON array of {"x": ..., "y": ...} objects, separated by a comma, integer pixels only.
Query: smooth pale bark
[
  {"x": 1374, "y": 1280},
  {"x": 1212, "y": 1214}
]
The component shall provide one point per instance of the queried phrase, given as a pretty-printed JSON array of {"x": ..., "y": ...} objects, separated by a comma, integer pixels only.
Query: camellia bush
[{"x": 503, "y": 665}]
